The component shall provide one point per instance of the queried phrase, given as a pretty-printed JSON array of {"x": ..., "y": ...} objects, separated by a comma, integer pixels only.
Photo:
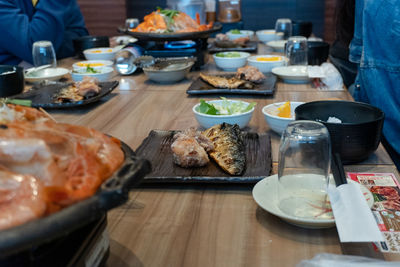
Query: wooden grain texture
[
  {"x": 102, "y": 17},
  {"x": 203, "y": 224}
]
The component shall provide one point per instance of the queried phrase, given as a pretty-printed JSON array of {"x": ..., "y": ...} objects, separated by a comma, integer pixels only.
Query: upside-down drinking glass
[
  {"x": 284, "y": 27},
  {"x": 303, "y": 170},
  {"x": 296, "y": 50},
  {"x": 43, "y": 54}
]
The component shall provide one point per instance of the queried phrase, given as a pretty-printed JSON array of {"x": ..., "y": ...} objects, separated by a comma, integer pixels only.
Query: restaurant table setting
[{"x": 273, "y": 178}]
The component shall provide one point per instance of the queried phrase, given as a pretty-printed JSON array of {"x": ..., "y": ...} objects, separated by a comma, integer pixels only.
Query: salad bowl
[{"x": 213, "y": 112}]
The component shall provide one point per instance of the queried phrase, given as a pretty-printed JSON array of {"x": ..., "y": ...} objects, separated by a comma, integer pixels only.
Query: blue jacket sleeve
[{"x": 57, "y": 21}]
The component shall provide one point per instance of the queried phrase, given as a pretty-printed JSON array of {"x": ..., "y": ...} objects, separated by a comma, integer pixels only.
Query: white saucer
[
  {"x": 265, "y": 195},
  {"x": 277, "y": 45},
  {"x": 292, "y": 74},
  {"x": 50, "y": 74}
]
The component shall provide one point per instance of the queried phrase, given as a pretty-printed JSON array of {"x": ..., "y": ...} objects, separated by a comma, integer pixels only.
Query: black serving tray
[
  {"x": 44, "y": 95},
  {"x": 200, "y": 87},
  {"x": 157, "y": 148},
  {"x": 249, "y": 47}
]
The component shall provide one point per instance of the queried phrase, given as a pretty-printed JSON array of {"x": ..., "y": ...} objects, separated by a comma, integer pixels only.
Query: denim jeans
[{"x": 376, "y": 47}]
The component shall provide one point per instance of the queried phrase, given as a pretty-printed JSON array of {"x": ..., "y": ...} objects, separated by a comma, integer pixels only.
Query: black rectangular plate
[
  {"x": 157, "y": 149},
  {"x": 200, "y": 87},
  {"x": 45, "y": 96},
  {"x": 250, "y": 47}
]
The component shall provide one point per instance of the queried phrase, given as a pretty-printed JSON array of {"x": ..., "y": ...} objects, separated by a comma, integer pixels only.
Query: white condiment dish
[
  {"x": 276, "y": 123},
  {"x": 230, "y": 63}
]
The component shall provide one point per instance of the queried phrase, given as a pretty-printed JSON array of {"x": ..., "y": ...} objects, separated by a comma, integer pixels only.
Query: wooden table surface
[{"x": 203, "y": 224}]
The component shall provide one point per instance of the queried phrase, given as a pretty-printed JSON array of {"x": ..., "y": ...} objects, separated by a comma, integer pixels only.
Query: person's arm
[{"x": 48, "y": 23}]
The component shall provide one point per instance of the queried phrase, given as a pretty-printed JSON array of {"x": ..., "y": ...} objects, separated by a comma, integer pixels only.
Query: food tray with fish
[
  {"x": 248, "y": 47},
  {"x": 112, "y": 193},
  {"x": 266, "y": 87},
  {"x": 157, "y": 148},
  {"x": 47, "y": 96}
]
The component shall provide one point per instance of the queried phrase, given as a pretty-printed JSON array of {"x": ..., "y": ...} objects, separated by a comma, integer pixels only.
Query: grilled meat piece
[
  {"x": 222, "y": 82},
  {"x": 250, "y": 73},
  {"x": 229, "y": 150},
  {"x": 187, "y": 152}
]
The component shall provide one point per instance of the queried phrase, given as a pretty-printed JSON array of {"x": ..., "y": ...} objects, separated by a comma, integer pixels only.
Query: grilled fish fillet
[
  {"x": 229, "y": 147},
  {"x": 222, "y": 82}
]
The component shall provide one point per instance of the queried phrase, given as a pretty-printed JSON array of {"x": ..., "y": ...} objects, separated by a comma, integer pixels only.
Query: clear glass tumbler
[
  {"x": 296, "y": 50},
  {"x": 284, "y": 27},
  {"x": 43, "y": 54},
  {"x": 303, "y": 170}
]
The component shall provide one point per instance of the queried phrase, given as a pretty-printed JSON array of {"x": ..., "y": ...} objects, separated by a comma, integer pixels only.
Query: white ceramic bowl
[
  {"x": 103, "y": 76},
  {"x": 266, "y": 66},
  {"x": 243, "y": 33},
  {"x": 170, "y": 74},
  {"x": 230, "y": 63},
  {"x": 292, "y": 74},
  {"x": 95, "y": 64},
  {"x": 268, "y": 35},
  {"x": 100, "y": 53},
  {"x": 277, "y": 45},
  {"x": 208, "y": 121},
  {"x": 49, "y": 74},
  {"x": 276, "y": 123}
]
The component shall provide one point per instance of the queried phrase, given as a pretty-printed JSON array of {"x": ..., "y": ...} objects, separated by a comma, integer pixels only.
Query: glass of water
[
  {"x": 296, "y": 50},
  {"x": 283, "y": 27},
  {"x": 43, "y": 54},
  {"x": 303, "y": 170}
]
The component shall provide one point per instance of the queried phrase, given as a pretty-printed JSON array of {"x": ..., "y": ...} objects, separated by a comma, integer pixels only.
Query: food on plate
[
  {"x": 228, "y": 54},
  {"x": 269, "y": 59},
  {"x": 69, "y": 162},
  {"x": 235, "y": 31},
  {"x": 223, "y": 41},
  {"x": 225, "y": 108},
  {"x": 101, "y": 51},
  {"x": 86, "y": 88},
  {"x": 222, "y": 82},
  {"x": 250, "y": 73},
  {"x": 91, "y": 65},
  {"x": 283, "y": 111},
  {"x": 229, "y": 150},
  {"x": 190, "y": 149},
  {"x": 170, "y": 21}
]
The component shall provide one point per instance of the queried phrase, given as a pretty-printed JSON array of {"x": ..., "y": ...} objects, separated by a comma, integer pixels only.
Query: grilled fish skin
[
  {"x": 229, "y": 150},
  {"x": 222, "y": 82}
]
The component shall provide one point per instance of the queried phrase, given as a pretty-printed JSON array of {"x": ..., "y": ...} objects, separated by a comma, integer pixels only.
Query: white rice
[{"x": 334, "y": 120}]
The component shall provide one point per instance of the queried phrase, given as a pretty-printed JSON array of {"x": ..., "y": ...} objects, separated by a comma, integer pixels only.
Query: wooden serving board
[{"x": 157, "y": 149}]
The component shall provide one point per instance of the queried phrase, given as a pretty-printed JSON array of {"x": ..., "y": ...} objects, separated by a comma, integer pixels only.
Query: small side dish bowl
[
  {"x": 265, "y": 63},
  {"x": 355, "y": 128},
  {"x": 103, "y": 75},
  {"x": 11, "y": 80},
  {"x": 87, "y": 42},
  {"x": 268, "y": 35},
  {"x": 95, "y": 64},
  {"x": 277, "y": 45},
  {"x": 276, "y": 123},
  {"x": 233, "y": 34},
  {"x": 207, "y": 121},
  {"x": 230, "y": 61},
  {"x": 172, "y": 73},
  {"x": 49, "y": 74},
  {"x": 100, "y": 53}
]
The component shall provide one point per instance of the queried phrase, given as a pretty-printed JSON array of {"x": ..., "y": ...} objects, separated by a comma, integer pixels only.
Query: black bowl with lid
[
  {"x": 11, "y": 80},
  {"x": 86, "y": 42},
  {"x": 359, "y": 133},
  {"x": 318, "y": 52}
]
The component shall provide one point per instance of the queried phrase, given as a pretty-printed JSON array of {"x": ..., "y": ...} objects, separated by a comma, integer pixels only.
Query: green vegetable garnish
[
  {"x": 235, "y": 31},
  {"x": 91, "y": 70},
  {"x": 170, "y": 14},
  {"x": 228, "y": 54},
  {"x": 226, "y": 107},
  {"x": 21, "y": 102}
]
